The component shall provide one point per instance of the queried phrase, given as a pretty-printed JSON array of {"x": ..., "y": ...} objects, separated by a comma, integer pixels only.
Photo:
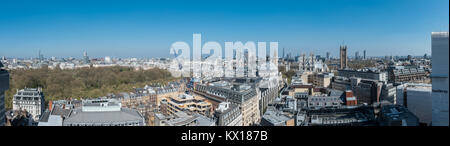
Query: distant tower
[
  {"x": 343, "y": 56},
  {"x": 40, "y": 56},
  {"x": 328, "y": 55},
  {"x": 85, "y": 57},
  {"x": 357, "y": 55},
  {"x": 283, "y": 54},
  {"x": 364, "y": 55}
]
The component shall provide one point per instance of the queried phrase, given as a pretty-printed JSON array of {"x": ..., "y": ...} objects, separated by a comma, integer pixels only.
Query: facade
[
  {"x": 4, "y": 85},
  {"x": 389, "y": 93},
  {"x": 439, "y": 77},
  {"x": 138, "y": 97},
  {"x": 366, "y": 91},
  {"x": 311, "y": 63},
  {"x": 364, "y": 74},
  {"x": 320, "y": 79},
  {"x": 228, "y": 114},
  {"x": 398, "y": 75},
  {"x": 417, "y": 98},
  {"x": 350, "y": 99},
  {"x": 30, "y": 99},
  {"x": 324, "y": 101},
  {"x": 267, "y": 95},
  {"x": 238, "y": 91},
  {"x": 343, "y": 57},
  {"x": 103, "y": 112},
  {"x": 340, "y": 83},
  {"x": 186, "y": 102}
]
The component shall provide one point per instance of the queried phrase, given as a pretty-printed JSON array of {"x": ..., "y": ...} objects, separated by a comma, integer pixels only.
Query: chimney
[{"x": 50, "y": 105}]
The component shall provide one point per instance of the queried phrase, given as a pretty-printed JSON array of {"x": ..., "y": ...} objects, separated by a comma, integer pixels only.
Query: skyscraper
[
  {"x": 328, "y": 55},
  {"x": 4, "y": 85},
  {"x": 343, "y": 56},
  {"x": 364, "y": 55},
  {"x": 85, "y": 58},
  {"x": 40, "y": 56},
  {"x": 439, "y": 78},
  {"x": 357, "y": 55}
]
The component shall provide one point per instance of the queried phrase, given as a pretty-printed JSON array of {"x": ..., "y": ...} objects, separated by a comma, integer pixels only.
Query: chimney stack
[{"x": 50, "y": 105}]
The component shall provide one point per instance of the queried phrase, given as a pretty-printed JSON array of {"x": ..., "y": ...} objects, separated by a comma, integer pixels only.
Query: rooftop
[{"x": 124, "y": 115}]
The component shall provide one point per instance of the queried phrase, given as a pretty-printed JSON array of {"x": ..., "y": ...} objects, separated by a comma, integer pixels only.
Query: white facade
[
  {"x": 418, "y": 100},
  {"x": 30, "y": 99},
  {"x": 439, "y": 77}
]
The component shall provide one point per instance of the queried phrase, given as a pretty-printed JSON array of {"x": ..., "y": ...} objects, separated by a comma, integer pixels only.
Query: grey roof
[
  {"x": 334, "y": 92},
  {"x": 45, "y": 116},
  {"x": 275, "y": 117},
  {"x": 125, "y": 115},
  {"x": 204, "y": 121}
]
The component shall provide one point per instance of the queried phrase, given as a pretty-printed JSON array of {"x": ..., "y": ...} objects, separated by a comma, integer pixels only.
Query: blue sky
[{"x": 148, "y": 28}]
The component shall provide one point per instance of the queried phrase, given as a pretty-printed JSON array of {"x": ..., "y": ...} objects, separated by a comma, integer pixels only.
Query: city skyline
[{"x": 146, "y": 29}]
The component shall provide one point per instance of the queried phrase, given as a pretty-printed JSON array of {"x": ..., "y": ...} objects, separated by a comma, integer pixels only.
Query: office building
[
  {"x": 30, "y": 99},
  {"x": 4, "y": 85},
  {"x": 328, "y": 55},
  {"x": 324, "y": 101},
  {"x": 366, "y": 91},
  {"x": 186, "y": 102},
  {"x": 439, "y": 77},
  {"x": 389, "y": 93},
  {"x": 228, "y": 114},
  {"x": 364, "y": 55},
  {"x": 103, "y": 112},
  {"x": 364, "y": 74},
  {"x": 320, "y": 79},
  {"x": 418, "y": 99},
  {"x": 85, "y": 58},
  {"x": 400, "y": 74},
  {"x": 241, "y": 91}
]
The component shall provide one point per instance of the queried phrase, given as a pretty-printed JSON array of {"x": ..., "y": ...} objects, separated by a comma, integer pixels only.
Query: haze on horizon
[{"x": 147, "y": 29}]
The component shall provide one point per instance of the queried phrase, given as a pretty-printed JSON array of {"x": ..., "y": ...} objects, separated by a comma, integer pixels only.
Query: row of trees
[
  {"x": 360, "y": 64},
  {"x": 83, "y": 83}
]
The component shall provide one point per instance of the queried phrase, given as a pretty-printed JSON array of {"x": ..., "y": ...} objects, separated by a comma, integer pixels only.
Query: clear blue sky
[{"x": 147, "y": 29}]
